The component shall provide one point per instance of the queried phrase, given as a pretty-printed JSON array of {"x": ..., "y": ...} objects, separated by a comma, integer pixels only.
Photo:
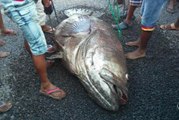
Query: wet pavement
[{"x": 153, "y": 81}]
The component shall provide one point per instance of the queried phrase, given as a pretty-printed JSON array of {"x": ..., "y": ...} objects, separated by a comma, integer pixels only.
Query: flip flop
[
  {"x": 169, "y": 27},
  {"x": 121, "y": 26},
  {"x": 5, "y": 106},
  {"x": 50, "y": 92}
]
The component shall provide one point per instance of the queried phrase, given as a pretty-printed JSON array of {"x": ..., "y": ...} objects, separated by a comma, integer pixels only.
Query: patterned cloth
[
  {"x": 135, "y": 2},
  {"x": 17, "y": 3},
  {"x": 25, "y": 15},
  {"x": 41, "y": 16}
]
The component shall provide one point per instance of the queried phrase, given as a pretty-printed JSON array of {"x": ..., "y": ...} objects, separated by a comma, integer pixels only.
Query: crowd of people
[
  {"x": 150, "y": 13},
  {"x": 30, "y": 16}
]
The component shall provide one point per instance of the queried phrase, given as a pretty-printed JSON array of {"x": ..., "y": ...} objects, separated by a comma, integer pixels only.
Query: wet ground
[{"x": 153, "y": 81}]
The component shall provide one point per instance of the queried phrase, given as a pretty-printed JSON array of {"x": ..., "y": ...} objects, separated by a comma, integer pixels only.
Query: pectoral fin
[{"x": 57, "y": 55}]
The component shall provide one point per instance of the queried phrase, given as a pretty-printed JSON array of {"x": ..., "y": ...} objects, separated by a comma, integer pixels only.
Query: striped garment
[
  {"x": 144, "y": 28},
  {"x": 135, "y": 2}
]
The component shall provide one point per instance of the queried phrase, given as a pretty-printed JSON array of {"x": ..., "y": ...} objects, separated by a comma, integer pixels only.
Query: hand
[{"x": 48, "y": 9}]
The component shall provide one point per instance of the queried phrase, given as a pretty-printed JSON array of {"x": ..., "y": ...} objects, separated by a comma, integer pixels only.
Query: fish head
[{"x": 107, "y": 78}]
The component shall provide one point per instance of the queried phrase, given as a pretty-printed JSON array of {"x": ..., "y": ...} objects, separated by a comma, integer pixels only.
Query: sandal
[
  {"x": 4, "y": 54},
  {"x": 169, "y": 27},
  {"x": 50, "y": 92},
  {"x": 5, "y": 106},
  {"x": 121, "y": 26}
]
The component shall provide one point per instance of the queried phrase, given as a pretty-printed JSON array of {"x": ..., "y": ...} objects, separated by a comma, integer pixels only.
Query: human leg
[
  {"x": 150, "y": 14},
  {"x": 170, "y": 6},
  {"x": 41, "y": 18},
  {"x": 36, "y": 40},
  {"x": 142, "y": 45},
  {"x": 128, "y": 21},
  {"x": 46, "y": 85},
  {"x": 130, "y": 15},
  {"x": 3, "y": 29}
]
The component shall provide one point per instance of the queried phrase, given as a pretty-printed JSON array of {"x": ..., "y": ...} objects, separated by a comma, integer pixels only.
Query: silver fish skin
[{"x": 91, "y": 51}]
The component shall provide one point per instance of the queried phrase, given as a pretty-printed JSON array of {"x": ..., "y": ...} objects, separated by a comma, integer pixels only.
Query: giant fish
[{"x": 91, "y": 50}]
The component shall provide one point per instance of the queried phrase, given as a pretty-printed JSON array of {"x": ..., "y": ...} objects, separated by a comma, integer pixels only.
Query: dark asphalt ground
[{"x": 153, "y": 82}]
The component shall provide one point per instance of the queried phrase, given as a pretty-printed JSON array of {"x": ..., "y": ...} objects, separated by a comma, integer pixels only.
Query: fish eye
[{"x": 127, "y": 76}]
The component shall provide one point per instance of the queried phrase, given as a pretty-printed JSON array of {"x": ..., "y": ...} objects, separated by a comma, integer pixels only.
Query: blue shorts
[
  {"x": 25, "y": 17},
  {"x": 136, "y": 2},
  {"x": 150, "y": 12}
]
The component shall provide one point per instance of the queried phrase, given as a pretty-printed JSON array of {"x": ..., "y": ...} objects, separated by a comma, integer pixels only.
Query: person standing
[
  {"x": 41, "y": 18},
  {"x": 130, "y": 15},
  {"x": 23, "y": 13},
  {"x": 150, "y": 12}
]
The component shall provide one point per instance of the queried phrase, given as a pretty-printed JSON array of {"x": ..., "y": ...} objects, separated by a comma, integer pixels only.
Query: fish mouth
[
  {"x": 123, "y": 98},
  {"x": 117, "y": 87},
  {"x": 107, "y": 90},
  {"x": 110, "y": 99}
]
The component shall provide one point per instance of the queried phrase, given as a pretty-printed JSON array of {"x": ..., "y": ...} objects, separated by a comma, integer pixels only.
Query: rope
[{"x": 115, "y": 12}]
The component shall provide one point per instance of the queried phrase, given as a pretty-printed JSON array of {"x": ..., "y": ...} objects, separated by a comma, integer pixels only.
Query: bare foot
[
  {"x": 135, "y": 54},
  {"x": 53, "y": 92},
  {"x": 4, "y": 54},
  {"x": 2, "y": 42},
  {"x": 8, "y": 32},
  {"x": 135, "y": 43}
]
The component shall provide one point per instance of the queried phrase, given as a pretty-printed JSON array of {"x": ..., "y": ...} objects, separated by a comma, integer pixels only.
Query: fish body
[{"x": 91, "y": 51}]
